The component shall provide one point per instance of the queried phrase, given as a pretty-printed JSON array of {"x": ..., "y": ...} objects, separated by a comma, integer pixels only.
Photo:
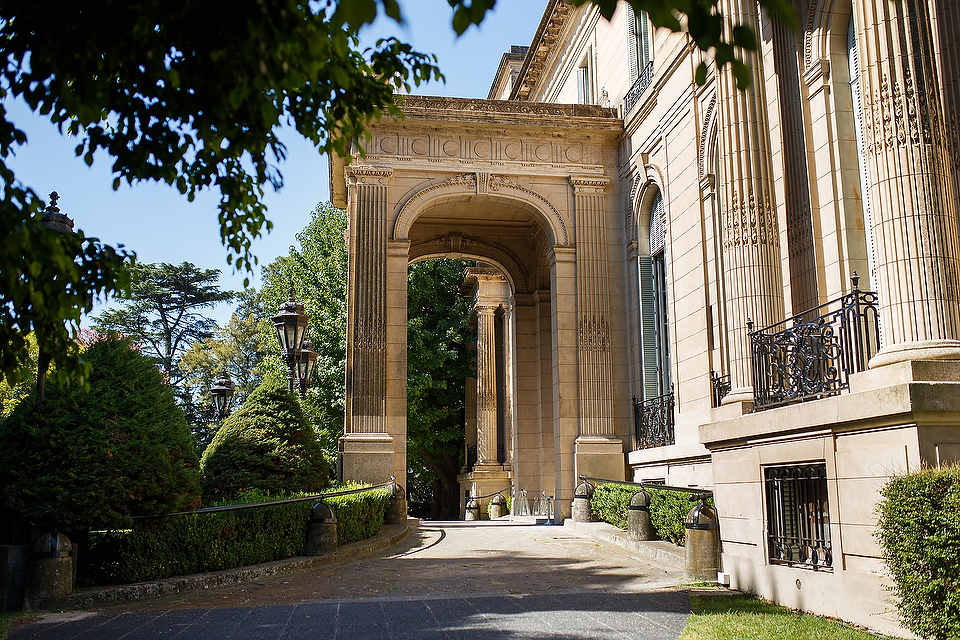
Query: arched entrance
[{"x": 532, "y": 201}]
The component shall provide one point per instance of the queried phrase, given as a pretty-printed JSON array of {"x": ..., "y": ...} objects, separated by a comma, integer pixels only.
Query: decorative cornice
[
  {"x": 544, "y": 41},
  {"x": 476, "y": 105},
  {"x": 370, "y": 175}
]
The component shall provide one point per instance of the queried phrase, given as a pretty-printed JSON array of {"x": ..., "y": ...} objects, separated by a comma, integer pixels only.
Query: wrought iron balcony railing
[
  {"x": 653, "y": 420},
  {"x": 813, "y": 354},
  {"x": 644, "y": 80},
  {"x": 720, "y": 386}
]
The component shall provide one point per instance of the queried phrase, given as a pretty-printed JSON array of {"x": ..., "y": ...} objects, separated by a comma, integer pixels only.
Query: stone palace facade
[{"x": 755, "y": 291}]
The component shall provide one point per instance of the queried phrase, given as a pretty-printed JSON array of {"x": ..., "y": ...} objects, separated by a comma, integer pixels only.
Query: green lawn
[{"x": 721, "y": 617}]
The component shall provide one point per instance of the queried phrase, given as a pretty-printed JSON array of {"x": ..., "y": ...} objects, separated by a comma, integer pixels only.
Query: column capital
[
  {"x": 589, "y": 186},
  {"x": 370, "y": 175}
]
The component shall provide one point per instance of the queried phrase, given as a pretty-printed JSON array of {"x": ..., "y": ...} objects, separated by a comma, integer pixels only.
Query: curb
[
  {"x": 389, "y": 536},
  {"x": 662, "y": 551}
]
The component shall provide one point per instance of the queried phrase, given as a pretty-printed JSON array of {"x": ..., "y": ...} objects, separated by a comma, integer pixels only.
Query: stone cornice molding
[
  {"x": 501, "y": 107},
  {"x": 469, "y": 182},
  {"x": 589, "y": 186},
  {"x": 548, "y": 32}
]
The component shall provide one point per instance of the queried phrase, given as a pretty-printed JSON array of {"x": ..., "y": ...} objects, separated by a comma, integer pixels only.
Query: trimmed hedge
[
  {"x": 183, "y": 545},
  {"x": 668, "y": 509},
  {"x": 919, "y": 531}
]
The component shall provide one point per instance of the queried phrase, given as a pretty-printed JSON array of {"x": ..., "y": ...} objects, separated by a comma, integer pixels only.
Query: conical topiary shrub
[
  {"x": 94, "y": 457},
  {"x": 267, "y": 445}
]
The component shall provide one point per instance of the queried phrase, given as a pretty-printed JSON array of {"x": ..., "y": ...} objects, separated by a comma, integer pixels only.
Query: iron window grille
[
  {"x": 644, "y": 80},
  {"x": 720, "y": 387},
  {"x": 798, "y": 516}
]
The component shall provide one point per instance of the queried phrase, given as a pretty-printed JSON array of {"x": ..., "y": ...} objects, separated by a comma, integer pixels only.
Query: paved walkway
[{"x": 449, "y": 580}]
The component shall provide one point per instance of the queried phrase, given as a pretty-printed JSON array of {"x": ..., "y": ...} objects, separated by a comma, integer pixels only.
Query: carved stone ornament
[
  {"x": 589, "y": 186},
  {"x": 371, "y": 175},
  {"x": 594, "y": 333}
]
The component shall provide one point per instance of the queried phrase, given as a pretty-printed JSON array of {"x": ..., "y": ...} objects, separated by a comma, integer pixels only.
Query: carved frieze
[
  {"x": 594, "y": 333},
  {"x": 476, "y": 148},
  {"x": 749, "y": 221}
]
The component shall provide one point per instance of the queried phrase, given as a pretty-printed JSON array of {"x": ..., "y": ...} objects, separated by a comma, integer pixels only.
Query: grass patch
[
  {"x": 8, "y": 619},
  {"x": 720, "y": 617}
]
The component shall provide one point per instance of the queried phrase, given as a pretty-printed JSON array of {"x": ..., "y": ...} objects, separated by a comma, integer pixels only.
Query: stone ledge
[
  {"x": 389, "y": 536},
  {"x": 661, "y": 551}
]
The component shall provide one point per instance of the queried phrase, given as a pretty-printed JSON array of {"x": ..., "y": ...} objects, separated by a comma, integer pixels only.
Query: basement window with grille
[{"x": 798, "y": 516}]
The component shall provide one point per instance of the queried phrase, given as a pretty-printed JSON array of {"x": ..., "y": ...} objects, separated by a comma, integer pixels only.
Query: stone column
[
  {"x": 911, "y": 191},
  {"x": 948, "y": 28},
  {"x": 367, "y": 448},
  {"x": 566, "y": 409},
  {"x": 599, "y": 450},
  {"x": 750, "y": 243},
  {"x": 486, "y": 387}
]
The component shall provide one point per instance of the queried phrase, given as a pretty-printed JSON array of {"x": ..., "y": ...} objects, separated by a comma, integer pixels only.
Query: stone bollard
[
  {"x": 321, "y": 531},
  {"x": 397, "y": 509},
  {"x": 702, "y": 545},
  {"x": 473, "y": 510},
  {"x": 581, "y": 502},
  {"x": 50, "y": 573},
  {"x": 639, "y": 526},
  {"x": 498, "y": 507}
]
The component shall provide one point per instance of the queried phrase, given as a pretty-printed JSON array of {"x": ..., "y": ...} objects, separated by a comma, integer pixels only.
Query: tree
[
  {"x": 86, "y": 459},
  {"x": 266, "y": 445},
  {"x": 317, "y": 270},
  {"x": 161, "y": 312},
  {"x": 438, "y": 362},
  {"x": 168, "y": 98},
  {"x": 235, "y": 349}
]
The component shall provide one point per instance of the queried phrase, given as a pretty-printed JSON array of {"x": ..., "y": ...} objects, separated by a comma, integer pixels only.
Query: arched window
[{"x": 654, "y": 313}]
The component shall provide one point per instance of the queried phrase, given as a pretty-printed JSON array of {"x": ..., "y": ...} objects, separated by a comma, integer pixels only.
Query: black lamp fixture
[
  {"x": 222, "y": 392},
  {"x": 308, "y": 358},
  {"x": 291, "y": 325}
]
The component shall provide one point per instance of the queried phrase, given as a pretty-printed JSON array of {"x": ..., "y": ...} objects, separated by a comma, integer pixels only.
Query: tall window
[
  {"x": 638, "y": 42},
  {"x": 654, "y": 309},
  {"x": 585, "y": 79}
]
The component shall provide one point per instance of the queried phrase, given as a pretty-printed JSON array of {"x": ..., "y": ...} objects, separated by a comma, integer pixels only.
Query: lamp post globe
[
  {"x": 305, "y": 364},
  {"x": 291, "y": 324},
  {"x": 222, "y": 392}
]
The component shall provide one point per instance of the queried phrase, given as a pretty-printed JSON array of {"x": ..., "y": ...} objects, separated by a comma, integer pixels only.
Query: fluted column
[
  {"x": 911, "y": 192},
  {"x": 948, "y": 26},
  {"x": 595, "y": 366},
  {"x": 486, "y": 386},
  {"x": 366, "y": 303},
  {"x": 751, "y": 244}
]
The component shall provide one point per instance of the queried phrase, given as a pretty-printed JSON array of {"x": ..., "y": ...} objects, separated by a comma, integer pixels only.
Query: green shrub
[
  {"x": 211, "y": 541},
  {"x": 359, "y": 515},
  {"x": 92, "y": 458},
  {"x": 266, "y": 445},
  {"x": 668, "y": 509},
  {"x": 919, "y": 531}
]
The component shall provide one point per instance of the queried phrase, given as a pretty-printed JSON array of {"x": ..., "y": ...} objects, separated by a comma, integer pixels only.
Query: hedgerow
[
  {"x": 919, "y": 531},
  {"x": 211, "y": 541},
  {"x": 668, "y": 509}
]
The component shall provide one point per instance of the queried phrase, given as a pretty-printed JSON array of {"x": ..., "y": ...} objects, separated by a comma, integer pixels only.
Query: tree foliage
[
  {"x": 94, "y": 458},
  {"x": 193, "y": 95},
  {"x": 162, "y": 310},
  {"x": 266, "y": 445},
  {"x": 438, "y": 362},
  {"x": 317, "y": 271}
]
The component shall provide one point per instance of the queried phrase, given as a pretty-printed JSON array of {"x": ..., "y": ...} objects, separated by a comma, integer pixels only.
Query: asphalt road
[{"x": 450, "y": 580}]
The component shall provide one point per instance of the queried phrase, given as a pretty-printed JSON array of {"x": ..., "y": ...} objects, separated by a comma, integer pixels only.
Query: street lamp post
[
  {"x": 308, "y": 358},
  {"x": 60, "y": 222},
  {"x": 291, "y": 325},
  {"x": 222, "y": 392}
]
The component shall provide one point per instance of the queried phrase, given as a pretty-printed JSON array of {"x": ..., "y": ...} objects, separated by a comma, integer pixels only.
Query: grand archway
[{"x": 526, "y": 190}]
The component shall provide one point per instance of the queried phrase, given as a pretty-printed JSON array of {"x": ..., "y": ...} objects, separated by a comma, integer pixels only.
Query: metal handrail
[
  {"x": 653, "y": 421},
  {"x": 650, "y": 485},
  {"x": 490, "y": 495},
  {"x": 640, "y": 85},
  {"x": 238, "y": 507}
]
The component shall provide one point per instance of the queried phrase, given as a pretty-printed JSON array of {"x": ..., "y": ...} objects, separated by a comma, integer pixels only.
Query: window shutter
[
  {"x": 632, "y": 45},
  {"x": 643, "y": 36},
  {"x": 648, "y": 329},
  {"x": 581, "y": 85}
]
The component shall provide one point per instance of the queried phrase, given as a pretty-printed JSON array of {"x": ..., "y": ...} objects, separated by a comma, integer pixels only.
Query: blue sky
[{"x": 159, "y": 224}]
